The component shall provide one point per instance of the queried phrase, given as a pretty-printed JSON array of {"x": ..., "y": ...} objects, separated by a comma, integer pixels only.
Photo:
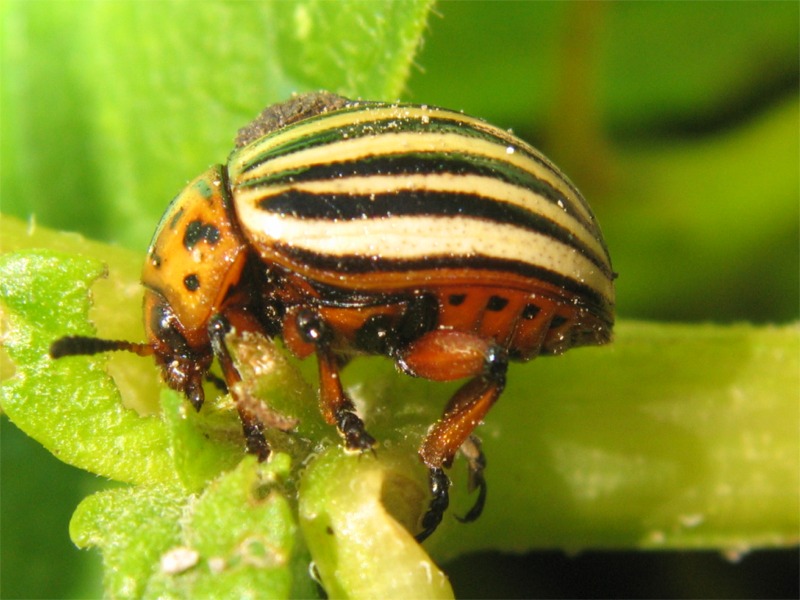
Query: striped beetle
[{"x": 349, "y": 227}]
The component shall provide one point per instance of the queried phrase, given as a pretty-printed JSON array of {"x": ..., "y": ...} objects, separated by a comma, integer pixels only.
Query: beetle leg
[
  {"x": 337, "y": 408},
  {"x": 464, "y": 412},
  {"x": 217, "y": 381},
  {"x": 476, "y": 459},
  {"x": 253, "y": 428},
  {"x": 447, "y": 355}
]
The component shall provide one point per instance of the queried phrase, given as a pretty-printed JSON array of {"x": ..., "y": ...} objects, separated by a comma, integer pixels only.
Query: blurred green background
[{"x": 679, "y": 121}]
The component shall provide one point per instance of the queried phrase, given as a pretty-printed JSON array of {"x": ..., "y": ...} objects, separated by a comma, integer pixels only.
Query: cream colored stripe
[
  {"x": 486, "y": 187},
  {"x": 366, "y": 114},
  {"x": 420, "y": 238},
  {"x": 408, "y": 142},
  {"x": 370, "y": 113}
]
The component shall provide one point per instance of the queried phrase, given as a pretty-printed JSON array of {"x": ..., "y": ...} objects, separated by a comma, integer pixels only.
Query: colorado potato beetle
[{"x": 349, "y": 227}]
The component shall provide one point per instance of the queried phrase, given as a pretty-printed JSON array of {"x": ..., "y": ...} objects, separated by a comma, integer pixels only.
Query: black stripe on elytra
[
  {"x": 349, "y": 264},
  {"x": 352, "y": 207},
  {"x": 390, "y": 123},
  {"x": 424, "y": 163},
  {"x": 386, "y": 126},
  {"x": 403, "y": 163}
]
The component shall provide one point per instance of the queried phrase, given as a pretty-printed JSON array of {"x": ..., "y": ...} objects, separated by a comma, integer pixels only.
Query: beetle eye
[{"x": 163, "y": 325}]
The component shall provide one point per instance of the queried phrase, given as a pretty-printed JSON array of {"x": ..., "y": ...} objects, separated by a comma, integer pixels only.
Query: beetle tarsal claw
[
  {"x": 354, "y": 432},
  {"x": 472, "y": 449},
  {"x": 476, "y": 463},
  {"x": 439, "y": 484}
]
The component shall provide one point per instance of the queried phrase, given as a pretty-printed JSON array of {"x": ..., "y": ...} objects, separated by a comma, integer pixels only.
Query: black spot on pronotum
[
  {"x": 191, "y": 282},
  {"x": 198, "y": 231},
  {"x": 557, "y": 321},
  {"x": 496, "y": 303}
]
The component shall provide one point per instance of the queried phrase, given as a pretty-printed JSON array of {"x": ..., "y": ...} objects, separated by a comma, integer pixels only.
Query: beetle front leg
[
  {"x": 336, "y": 407},
  {"x": 252, "y": 426}
]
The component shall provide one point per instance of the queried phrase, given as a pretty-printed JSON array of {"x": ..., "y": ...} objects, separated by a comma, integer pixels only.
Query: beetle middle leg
[
  {"x": 446, "y": 355},
  {"x": 337, "y": 408}
]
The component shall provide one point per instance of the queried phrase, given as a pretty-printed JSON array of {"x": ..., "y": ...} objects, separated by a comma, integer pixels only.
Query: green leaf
[
  {"x": 365, "y": 521},
  {"x": 202, "y": 445},
  {"x": 353, "y": 48},
  {"x": 133, "y": 527},
  {"x": 70, "y": 406},
  {"x": 237, "y": 539}
]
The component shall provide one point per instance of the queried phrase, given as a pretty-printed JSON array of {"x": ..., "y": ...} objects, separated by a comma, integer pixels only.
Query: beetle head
[
  {"x": 184, "y": 359},
  {"x": 184, "y": 356}
]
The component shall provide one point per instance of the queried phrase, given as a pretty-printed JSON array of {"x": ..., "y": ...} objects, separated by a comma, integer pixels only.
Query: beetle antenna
[{"x": 78, "y": 345}]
